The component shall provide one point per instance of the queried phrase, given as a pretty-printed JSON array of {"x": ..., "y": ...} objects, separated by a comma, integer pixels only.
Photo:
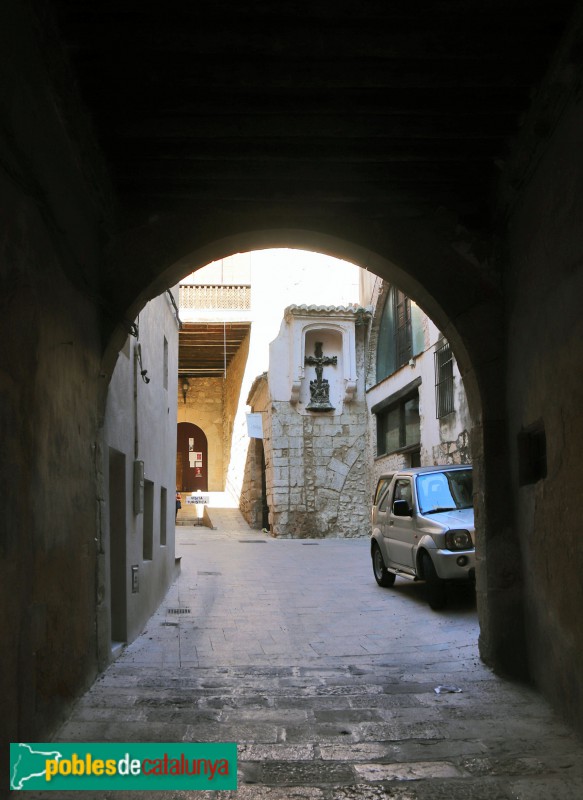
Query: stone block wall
[
  {"x": 315, "y": 474},
  {"x": 317, "y": 462},
  {"x": 250, "y": 502},
  {"x": 251, "y": 499},
  {"x": 51, "y": 229},
  {"x": 544, "y": 289}
]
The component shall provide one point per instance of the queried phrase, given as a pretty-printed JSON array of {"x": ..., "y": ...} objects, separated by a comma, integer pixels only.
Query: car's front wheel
[
  {"x": 382, "y": 576},
  {"x": 434, "y": 586}
]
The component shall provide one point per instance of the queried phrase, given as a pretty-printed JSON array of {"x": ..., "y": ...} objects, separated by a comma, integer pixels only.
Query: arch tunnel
[{"x": 80, "y": 258}]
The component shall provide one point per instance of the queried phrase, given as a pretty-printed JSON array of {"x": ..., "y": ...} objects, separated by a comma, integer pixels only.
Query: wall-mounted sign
[
  {"x": 197, "y": 499},
  {"x": 255, "y": 426}
]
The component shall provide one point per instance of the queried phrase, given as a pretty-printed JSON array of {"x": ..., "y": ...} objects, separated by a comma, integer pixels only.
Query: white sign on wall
[
  {"x": 197, "y": 499},
  {"x": 255, "y": 426}
]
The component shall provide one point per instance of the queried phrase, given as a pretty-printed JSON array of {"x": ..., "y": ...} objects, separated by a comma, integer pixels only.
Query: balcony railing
[{"x": 215, "y": 297}]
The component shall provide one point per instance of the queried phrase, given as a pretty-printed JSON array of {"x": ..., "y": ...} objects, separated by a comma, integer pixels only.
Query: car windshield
[{"x": 444, "y": 491}]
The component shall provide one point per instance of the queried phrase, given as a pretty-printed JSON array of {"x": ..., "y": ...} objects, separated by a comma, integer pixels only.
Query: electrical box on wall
[
  {"x": 135, "y": 579},
  {"x": 138, "y": 487}
]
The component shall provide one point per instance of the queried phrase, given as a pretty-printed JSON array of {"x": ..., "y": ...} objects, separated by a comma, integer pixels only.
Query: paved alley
[{"x": 326, "y": 682}]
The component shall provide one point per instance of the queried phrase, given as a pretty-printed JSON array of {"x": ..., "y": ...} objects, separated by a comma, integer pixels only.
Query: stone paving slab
[
  {"x": 326, "y": 681},
  {"x": 413, "y": 771}
]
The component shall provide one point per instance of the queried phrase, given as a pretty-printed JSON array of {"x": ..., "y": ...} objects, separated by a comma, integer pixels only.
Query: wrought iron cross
[{"x": 320, "y": 388}]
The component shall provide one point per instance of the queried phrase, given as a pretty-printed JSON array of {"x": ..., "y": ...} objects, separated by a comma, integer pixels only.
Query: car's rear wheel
[
  {"x": 382, "y": 576},
  {"x": 435, "y": 591}
]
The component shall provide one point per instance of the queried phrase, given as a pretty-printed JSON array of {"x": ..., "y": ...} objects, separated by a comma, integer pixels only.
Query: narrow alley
[{"x": 326, "y": 681}]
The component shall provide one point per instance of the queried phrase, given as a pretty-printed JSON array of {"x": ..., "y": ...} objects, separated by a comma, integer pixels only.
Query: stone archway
[{"x": 427, "y": 260}]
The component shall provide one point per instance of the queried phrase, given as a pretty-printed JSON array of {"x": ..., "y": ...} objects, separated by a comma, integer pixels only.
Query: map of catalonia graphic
[{"x": 30, "y": 764}]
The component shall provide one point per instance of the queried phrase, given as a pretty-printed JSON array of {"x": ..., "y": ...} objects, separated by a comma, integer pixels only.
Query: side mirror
[{"x": 401, "y": 508}]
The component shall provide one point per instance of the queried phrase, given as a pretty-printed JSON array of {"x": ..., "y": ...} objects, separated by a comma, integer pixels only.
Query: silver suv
[{"x": 423, "y": 528}]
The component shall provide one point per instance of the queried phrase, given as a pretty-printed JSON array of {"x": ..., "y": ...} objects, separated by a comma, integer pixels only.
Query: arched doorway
[{"x": 191, "y": 458}]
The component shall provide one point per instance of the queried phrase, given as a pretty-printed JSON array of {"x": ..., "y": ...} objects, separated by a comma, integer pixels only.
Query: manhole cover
[{"x": 178, "y": 610}]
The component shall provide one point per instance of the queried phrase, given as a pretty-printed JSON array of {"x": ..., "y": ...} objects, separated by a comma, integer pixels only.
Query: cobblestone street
[{"x": 326, "y": 682}]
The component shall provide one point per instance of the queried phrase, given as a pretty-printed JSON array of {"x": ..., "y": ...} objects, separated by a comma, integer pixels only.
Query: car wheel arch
[{"x": 421, "y": 552}]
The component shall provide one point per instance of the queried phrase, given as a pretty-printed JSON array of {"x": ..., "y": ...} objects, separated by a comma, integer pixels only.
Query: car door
[
  {"x": 381, "y": 521},
  {"x": 401, "y": 532},
  {"x": 383, "y": 484}
]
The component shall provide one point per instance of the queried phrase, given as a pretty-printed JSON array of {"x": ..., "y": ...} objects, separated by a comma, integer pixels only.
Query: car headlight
[{"x": 458, "y": 540}]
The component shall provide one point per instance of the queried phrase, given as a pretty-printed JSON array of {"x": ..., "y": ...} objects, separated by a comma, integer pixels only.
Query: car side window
[
  {"x": 381, "y": 486},
  {"x": 403, "y": 491},
  {"x": 384, "y": 501}
]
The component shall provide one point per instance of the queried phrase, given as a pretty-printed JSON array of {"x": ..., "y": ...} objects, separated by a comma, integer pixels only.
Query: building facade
[
  {"x": 419, "y": 414},
  {"x": 388, "y": 395},
  {"x": 315, "y": 424},
  {"x": 136, "y": 554}
]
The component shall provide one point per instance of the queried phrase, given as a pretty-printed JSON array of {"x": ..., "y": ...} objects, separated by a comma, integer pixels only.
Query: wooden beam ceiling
[{"x": 205, "y": 349}]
